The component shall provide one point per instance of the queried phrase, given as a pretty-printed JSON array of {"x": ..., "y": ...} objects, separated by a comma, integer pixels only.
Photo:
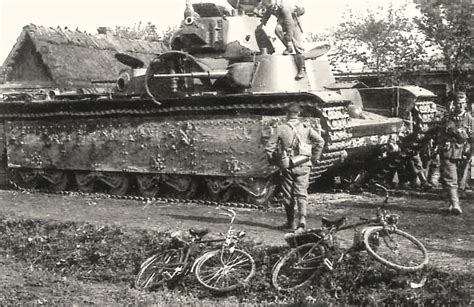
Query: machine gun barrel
[
  {"x": 212, "y": 74},
  {"x": 103, "y": 81}
]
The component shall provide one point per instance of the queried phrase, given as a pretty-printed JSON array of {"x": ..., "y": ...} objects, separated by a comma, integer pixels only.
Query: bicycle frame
[
  {"x": 230, "y": 240},
  {"x": 383, "y": 218},
  {"x": 315, "y": 249},
  {"x": 173, "y": 263}
]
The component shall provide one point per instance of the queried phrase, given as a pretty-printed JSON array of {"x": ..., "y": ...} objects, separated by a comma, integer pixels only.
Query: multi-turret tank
[{"x": 194, "y": 122}]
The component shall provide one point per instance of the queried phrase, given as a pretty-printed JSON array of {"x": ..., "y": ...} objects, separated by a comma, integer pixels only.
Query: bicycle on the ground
[
  {"x": 221, "y": 269},
  {"x": 313, "y": 250}
]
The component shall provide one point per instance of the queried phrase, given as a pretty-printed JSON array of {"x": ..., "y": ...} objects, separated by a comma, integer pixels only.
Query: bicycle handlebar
[
  {"x": 385, "y": 190},
  {"x": 230, "y": 213}
]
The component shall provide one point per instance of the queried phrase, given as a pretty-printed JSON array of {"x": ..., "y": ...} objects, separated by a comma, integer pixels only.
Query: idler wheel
[{"x": 148, "y": 184}]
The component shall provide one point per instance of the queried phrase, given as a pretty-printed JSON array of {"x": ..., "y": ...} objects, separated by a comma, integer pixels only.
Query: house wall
[{"x": 27, "y": 66}]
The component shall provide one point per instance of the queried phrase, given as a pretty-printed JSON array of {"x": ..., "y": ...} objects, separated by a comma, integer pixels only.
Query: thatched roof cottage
[{"x": 63, "y": 58}]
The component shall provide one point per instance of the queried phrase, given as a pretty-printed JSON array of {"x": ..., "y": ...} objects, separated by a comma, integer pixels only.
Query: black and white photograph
[{"x": 236, "y": 152}]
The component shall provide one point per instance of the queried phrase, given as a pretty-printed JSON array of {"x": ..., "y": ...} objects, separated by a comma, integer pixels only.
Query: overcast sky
[{"x": 88, "y": 15}]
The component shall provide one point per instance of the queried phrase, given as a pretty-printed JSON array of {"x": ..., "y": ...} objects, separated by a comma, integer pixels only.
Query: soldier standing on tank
[
  {"x": 455, "y": 138},
  {"x": 288, "y": 29},
  {"x": 285, "y": 149}
]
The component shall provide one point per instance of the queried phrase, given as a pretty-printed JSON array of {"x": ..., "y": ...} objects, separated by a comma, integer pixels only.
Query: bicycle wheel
[
  {"x": 223, "y": 270},
  {"x": 395, "y": 248},
  {"x": 298, "y": 267},
  {"x": 159, "y": 268}
]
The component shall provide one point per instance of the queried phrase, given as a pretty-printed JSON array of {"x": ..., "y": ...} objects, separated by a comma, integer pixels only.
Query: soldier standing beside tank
[
  {"x": 290, "y": 148},
  {"x": 456, "y": 136},
  {"x": 288, "y": 29},
  {"x": 417, "y": 145}
]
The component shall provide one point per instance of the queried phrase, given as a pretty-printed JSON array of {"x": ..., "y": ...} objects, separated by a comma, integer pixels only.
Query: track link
[{"x": 334, "y": 121}]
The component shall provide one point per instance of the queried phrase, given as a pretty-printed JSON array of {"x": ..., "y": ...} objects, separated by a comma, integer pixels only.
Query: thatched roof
[{"x": 74, "y": 58}]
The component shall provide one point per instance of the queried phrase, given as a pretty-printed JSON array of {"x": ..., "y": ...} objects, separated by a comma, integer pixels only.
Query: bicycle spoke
[
  {"x": 159, "y": 269},
  {"x": 232, "y": 259},
  {"x": 400, "y": 252},
  {"x": 395, "y": 248},
  {"x": 150, "y": 280},
  {"x": 224, "y": 271},
  {"x": 210, "y": 272},
  {"x": 214, "y": 276},
  {"x": 237, "y": 262},
  {"x": 297, "y": 267}
]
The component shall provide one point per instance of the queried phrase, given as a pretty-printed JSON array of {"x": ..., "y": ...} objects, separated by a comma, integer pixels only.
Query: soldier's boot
[
  {"x": 290, "y": 216},
  {"x": 425, "y": 184},
  {"x": 433, "y": 175},
  {"x": 301, "y": 66},
  {"x": 302, "y": 209},
  {"x": 288, "y": 50},
  {"x": 454, "y": 206},
  {"x": 289, "y": 47}
]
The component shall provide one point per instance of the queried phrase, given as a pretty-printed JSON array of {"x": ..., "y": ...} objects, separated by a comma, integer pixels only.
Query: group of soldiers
[
  {"x": 287, "y": 148},
  {"x": 445, "y": 149},
  {"x": 449, "y": 147}
]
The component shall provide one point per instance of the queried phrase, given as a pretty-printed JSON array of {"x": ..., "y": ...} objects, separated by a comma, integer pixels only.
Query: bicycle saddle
[
  {"x": 198, "y": 232},
  {"x": 329, "y": 222}
]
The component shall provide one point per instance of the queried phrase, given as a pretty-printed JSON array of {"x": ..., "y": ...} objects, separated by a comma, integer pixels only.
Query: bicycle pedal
[{"x": 328, "y": 264}]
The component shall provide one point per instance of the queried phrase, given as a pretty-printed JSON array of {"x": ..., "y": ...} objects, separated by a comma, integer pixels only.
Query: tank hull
[{"x": 212, "y": 145}]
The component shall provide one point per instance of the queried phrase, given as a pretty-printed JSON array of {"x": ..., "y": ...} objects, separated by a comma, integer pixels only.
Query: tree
[
  {"x": 168, "y": 34},
  {"x": 445, "y": 25},
  {"x": 382, "y": 40},
  {"x": 147, "y": 32}
]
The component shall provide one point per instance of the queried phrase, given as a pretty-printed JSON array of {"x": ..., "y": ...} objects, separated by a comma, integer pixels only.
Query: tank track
[
  {"x": 168, "y": 200},
  {"x": 338, "y": 134},
  {"x": 334, "y": 120},
  {"x": 393, "y": 162}
]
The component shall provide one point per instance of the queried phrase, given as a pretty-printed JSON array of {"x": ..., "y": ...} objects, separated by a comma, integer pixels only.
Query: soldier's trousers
[
  {"x": 454, "y": 173},
  {"x": 454, "y": 176},
  {"x": 287, "y": 30},
  {"x": 294, "y": 186}
]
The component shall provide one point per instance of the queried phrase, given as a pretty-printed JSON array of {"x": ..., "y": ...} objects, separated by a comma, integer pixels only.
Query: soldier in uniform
[
  {"x": 417, "y": 145},
  {"x": 294, "y": 146},
  {"x": 288, "y": 29},
  {"x": 456, "y": 135}
]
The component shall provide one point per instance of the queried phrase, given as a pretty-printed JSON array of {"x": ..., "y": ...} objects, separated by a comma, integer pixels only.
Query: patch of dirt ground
[{"x": 449, "y": 239}]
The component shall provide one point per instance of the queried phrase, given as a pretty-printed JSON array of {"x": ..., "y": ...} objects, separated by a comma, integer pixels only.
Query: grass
[{"x": 111, "y": 255}]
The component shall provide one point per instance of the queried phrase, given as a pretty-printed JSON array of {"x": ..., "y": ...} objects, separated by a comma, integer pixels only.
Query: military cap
[
  {"x": 461, "y": 97},
  {"x": 268, "y": 3},
  {"x": 293, "y": 108}
]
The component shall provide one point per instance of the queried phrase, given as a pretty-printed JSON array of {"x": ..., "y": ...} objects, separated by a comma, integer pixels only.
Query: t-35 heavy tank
[{"x": 194, "y": 122}]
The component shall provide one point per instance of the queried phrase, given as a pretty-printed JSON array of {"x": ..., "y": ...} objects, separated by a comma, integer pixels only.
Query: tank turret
[{"x": 194, "y": 122}]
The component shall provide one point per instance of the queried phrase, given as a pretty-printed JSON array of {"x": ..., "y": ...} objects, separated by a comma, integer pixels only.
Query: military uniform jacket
[
  {"x": 456, "y": 136},
  {"x": 284, "y": 12},
  {"x": 284, "y": 136}
]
